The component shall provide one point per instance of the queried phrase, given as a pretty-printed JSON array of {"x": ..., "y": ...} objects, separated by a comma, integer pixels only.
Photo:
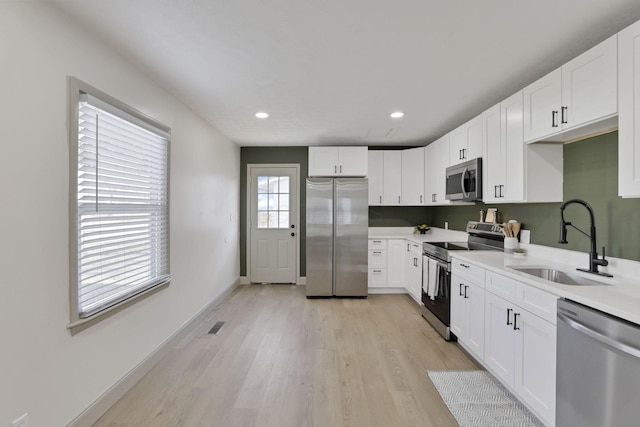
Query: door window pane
[{"x": 273, "y": 202}]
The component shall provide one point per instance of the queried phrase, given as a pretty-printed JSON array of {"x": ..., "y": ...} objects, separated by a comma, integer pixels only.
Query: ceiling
[{"x": 330, "y": 72}]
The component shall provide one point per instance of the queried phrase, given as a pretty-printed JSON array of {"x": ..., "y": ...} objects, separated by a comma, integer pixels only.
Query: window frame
[{"x": 76, "y": 88}]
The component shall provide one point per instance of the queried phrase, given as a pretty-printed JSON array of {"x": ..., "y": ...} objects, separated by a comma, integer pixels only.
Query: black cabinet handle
[
  {"x": 501, "y": 192},
  {"x": 563, "y": 115},
  {"x": 335, "y": 169},
  {"x": 293, "y": 234},
  {"x": 340, "y": 168},
  {"x": 515, "y": 321},
  {"x": 461, "y": 285},
  {"x": 293, "y": 226},
  {"x": 380, "y": 199},
  {"x": 509, "y": 310},
  {"x": 421, "y": 199},
  {"x": 554, "y": 119},
  {"x": 465, "y": 291}
]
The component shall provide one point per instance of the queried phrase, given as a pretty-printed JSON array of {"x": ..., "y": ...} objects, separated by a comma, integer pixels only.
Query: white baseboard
[
  {"x": 115, "y": 392},
  {"x": 387, "y": 291}
]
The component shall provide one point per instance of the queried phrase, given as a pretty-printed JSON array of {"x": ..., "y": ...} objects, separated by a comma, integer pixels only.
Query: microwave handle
[{"x": 464, "y": 192}]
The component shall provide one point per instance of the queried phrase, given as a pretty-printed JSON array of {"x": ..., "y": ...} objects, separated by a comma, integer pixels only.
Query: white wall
[{"x": 43, "y": 369}]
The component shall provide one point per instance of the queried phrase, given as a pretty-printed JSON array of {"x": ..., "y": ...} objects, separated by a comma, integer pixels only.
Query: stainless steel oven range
[{"x": 436, "y": 271}]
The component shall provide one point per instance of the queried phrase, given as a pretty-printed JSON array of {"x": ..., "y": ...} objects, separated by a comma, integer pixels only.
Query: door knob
[
  {"x": 293, "y": 234},
  {"x": 293, "y": 226}
]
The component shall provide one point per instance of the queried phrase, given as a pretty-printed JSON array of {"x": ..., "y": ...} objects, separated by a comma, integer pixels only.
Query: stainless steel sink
[{"x": 558, "y": 276}]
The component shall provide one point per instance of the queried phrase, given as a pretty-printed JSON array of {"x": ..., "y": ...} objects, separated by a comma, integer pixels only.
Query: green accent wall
[
  {"x": 591, "y": 174},
  {"x": 273, "y": 155},
  {"x": 398, "y": 216}
]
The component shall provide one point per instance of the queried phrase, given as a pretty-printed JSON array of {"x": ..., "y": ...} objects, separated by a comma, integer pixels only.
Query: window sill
[{"x": 80, "y": 325}]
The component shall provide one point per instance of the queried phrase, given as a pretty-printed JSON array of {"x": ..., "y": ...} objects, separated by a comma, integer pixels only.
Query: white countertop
[
  {"x": 619, "y": 296},
  {"x": 406, "y": 233}
]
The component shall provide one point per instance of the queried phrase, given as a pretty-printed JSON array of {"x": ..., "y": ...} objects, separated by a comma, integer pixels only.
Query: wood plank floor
[{"x": 283, "y": 360}]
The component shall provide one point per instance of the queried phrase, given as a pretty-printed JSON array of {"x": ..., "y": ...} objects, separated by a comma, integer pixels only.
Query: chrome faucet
[{"x": 594, "y": 261}]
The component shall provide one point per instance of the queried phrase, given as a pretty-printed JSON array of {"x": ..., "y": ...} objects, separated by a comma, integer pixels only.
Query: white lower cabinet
[
  {"x": 387, "y": 263},
  {"x": 520, "y": 350},
  {"x": 510, "y": 328},
  {"x": 413, "y": 270},
  {"x": 535, "y": 367},
  {"x": 395, "y": 263},
  {"x": 467, "y": 314}
]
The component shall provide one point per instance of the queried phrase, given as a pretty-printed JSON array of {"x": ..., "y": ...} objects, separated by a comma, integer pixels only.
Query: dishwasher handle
[{"x": 625, "y": 348}]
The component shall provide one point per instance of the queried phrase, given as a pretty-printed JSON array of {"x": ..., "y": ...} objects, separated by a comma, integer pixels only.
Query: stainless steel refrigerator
[{"x": 337, "y": 237}]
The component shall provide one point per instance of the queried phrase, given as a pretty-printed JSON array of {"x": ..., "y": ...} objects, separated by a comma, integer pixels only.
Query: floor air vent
[{"x": 216, "y": 328}]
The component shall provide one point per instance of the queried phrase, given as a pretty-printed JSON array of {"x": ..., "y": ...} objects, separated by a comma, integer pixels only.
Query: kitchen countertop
[
  {"x": 619, "y": 296},
  {"x": 406, "y": 233}
]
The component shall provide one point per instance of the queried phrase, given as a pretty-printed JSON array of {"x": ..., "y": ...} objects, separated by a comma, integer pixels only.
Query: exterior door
[{"x": 273, "y": 207}]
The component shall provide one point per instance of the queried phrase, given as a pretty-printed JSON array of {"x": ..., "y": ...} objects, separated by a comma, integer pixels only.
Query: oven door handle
[{"x": 441, "y": 263}]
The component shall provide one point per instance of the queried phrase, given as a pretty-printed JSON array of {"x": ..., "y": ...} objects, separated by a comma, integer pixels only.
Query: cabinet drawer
[
  {"x": 414, "y": 248},
  {"x": 538, "y": 302},
  {"x": 377, "y": 259},
  {"x": 501, "y": 286},
  {"x": 377, "y": 277},
  {"x": 468, "y": 271},
  {"x": 377, "y": 244}
]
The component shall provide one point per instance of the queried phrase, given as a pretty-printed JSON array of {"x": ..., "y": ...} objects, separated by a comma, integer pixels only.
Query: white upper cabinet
[
  {"x": 436, "y": 161},
  {"x": 629, "y": 130},
  {"x": 338, "y": 161},
  {"x": 392, "y": 178},
  {"x": 495, "y": 160},
  {"x": 413, "y": 177},
  {"x": 513, "y": 171},
  {"x": 511, "y": 135},
  {"x": 578, "y": 99},
  {"x": 466, "y": 141},
  {"x": 376, "y": 177}
]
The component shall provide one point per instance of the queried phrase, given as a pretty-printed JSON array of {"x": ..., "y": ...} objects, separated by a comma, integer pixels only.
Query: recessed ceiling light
[
  {"x": 262, "y": 115},
  {"x": 397, "y": 114}
]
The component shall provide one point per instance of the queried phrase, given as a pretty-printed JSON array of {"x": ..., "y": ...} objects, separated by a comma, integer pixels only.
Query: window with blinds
[{"x": 122, "y": 214}]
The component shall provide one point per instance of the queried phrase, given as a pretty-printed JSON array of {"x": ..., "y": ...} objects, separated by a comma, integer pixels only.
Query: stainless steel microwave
[{"x": 464, "y": 181}]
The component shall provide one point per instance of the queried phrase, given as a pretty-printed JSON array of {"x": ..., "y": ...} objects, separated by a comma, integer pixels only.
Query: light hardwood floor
[{"x": 283, "y": 360}]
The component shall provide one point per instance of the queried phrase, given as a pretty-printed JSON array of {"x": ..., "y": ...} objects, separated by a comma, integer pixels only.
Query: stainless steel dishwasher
[{"x": 598, "y": 371}]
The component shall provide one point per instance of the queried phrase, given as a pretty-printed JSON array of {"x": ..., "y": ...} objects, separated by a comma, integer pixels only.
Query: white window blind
[{"x": 122, "y": 206}]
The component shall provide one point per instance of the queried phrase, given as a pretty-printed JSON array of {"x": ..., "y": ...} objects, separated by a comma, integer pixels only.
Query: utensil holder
[{"x": 510, "y": 243}]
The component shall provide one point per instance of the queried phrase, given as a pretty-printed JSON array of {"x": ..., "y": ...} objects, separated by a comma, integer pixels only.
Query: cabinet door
[
  {"x": 352, "y": 161},
  {"x": 376, "y": 177},
  {"x": 511, "y": 134},
  {"x": 495, "y": 161},
  {"x": 590, "y": 85},
  {"x": 629, "y": 115},
  {"x": 392, "y": 184},
  {"x": 395, "y": 263},
  {"x": 475, "y": 296},
  {"x": 443, "y": 164},
  {"x": 499, "y": 341},
  {"x": 542, "y": 101},
  {"x": 436, "y": 161},
  {"x": 457, "y": 143},
  {"x": 323, "y": 161},
  {"x": 459, "y": 308},
  {"x": 412, "y": 180},
  {"x": 474, "y": 139},
  {"x": 535, "y": 370},
  {"x": 430, "y": 173}
]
